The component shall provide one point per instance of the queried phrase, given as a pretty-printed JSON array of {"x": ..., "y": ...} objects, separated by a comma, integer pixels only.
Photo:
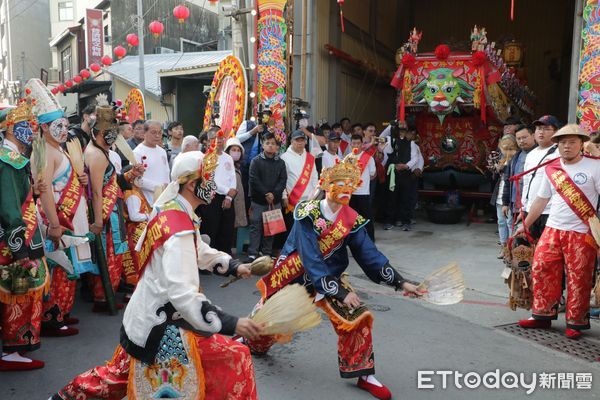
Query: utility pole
[
  {"x": 140, "y": 26},
  {"x": 22, "y": 88}
]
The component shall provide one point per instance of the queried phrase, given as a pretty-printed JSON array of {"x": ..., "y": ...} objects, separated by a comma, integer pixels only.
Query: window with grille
[{"x": 65, "y": 11}]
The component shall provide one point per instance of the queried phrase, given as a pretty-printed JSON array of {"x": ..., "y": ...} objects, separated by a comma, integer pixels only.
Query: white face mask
[{"x": 235, "y": 154}]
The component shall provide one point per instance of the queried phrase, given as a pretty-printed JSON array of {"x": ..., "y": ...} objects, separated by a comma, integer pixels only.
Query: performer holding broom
[
  {"x": 572, "y": 184},
  {"x": 107, "y": 204},
  {"x": 315, "y": 255},
  {"x": 171, "y": 342}
]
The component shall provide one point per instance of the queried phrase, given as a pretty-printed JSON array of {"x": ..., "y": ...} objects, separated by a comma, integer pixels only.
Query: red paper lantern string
[
  {"x": 106, "y": 61},
  {"x": 156, "y": 27},
  {"x": 95, "y": 67},
  {"x": 132, "y": 40},
  {"x": 181, "y": 12},
  {"x": 85, "y": 74},
  {"x": 69, "y": 83},
  {"x": 61, "y": 88},
  {"x": 77, "y": 79},
  {"x": 54, "y": 91},
  {"x": 120, "y": 52}
]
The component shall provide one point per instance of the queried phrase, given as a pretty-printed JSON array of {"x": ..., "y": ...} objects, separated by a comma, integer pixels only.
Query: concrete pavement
[{"x": 409, "y": 335}]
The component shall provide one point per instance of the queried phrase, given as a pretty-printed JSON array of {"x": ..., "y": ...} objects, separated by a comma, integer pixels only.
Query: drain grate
[{"x": 583, "y": 349}]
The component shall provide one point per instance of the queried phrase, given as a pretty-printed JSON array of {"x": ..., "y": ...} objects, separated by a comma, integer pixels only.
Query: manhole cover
[
  {"x": 554, "y": 339},
  {"x": 378, "y": 307}
]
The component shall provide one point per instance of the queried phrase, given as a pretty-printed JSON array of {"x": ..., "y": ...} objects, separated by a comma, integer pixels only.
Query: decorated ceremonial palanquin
[{"x": 459, "y": 101}]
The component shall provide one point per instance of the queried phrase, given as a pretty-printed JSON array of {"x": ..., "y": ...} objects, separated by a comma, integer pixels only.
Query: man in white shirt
[
  {"x": 332, "y": 154},
  {"x": 218, "y": 217},
  {"x": 154, "y": 158},
  {"x": 545, "y": 128},
  {"x": 361, "y": 198},
  {"x": 346, "y": 135},
  {"x": 302, "y": 179},
  {"x": 416, "y": 169},
  {"x": 572, "y": 183}
]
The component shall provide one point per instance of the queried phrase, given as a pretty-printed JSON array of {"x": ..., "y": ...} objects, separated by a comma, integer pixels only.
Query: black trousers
[
  {"x": 361, "y": 203},
  {"x": 218, "y": 223},
  {"x": 399, "y": 205}
]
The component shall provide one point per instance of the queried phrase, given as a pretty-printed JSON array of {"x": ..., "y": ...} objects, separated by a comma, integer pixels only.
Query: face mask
[
  {"x": 110, "y": 137},
  {"x": 23, "y": 133},
  {"x": 205, "y": 189},
  {"x": 303, "y": 123},
  {"x": 340, "y": 192},
  {"x": 235, "y": 154},
  {"x": 58, "y": 130},
  {"x": 91, "y": 121}
]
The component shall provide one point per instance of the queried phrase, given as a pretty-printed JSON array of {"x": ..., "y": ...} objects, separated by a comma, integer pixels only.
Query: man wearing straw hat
[
  {"x": 62, "y": 208},
  {"x": 23, "y": 272},
  {"x": 572, "y": 184},
  {"x": 171, "y": 339},
  {"x": 316, "y": 256}
]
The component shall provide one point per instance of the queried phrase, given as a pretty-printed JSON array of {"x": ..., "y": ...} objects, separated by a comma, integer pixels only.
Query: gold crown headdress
[
  {"x": 106, "y": 117},
  {"x": 23, "y": 112},
  {"x": 347, "y": 170}
]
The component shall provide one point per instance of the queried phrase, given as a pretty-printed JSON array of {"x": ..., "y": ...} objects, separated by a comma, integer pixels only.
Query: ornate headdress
[
  {"x": 22, "y": 113},
  {"x": 45, "y": 105},
  {"x": 347, "y": 170},
  {"x": 106, "y": 116}
]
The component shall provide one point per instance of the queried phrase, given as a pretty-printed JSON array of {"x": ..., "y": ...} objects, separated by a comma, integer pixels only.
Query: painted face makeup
[
  {"x": 59, "y": 130},
  {"x": 110, "y": 136},
  {"x": 206, "y": 189},
  {"x": 23, "y": 133},
  {"x": 340, "y": 192}
]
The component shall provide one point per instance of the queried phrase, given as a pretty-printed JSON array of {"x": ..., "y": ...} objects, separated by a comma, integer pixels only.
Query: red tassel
[
  {"x": 342, "y": 19},
  {"x": 512, "y": 10},
  {"x": 402, "y": 112},
  {"x": 482, "y": 99}
]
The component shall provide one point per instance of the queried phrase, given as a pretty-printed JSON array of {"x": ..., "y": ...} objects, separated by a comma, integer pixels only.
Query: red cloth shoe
[
  {"x": 20, "y": 366},
  {"x": 573, "y": 333},
  {"x": 70, "y": 320},
  {"x": 535, "y": 323},
  {"x": 381, "y": 392},
  {"x": 57, "y": 332}
]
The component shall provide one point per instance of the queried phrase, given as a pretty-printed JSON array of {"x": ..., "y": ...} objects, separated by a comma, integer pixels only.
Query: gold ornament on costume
[
  {"x": 347, "y": 170},
  {"x": 208, "y": 164},
  {"x": 22, "y": 113}
]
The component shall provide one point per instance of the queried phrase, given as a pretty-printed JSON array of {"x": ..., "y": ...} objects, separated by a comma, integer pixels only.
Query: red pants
[
  {"x": 61, "y": 298},
  {"x": 355, "y": 343},
  {"x": 227, "y": 365},
  {"x": 574, "y": 254},
  {"x": 114, "y": 263},
  {"x": 21, "y": 326}
]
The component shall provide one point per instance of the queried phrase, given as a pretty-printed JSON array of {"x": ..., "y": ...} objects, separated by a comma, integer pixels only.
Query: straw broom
[
  {"x": 76, "y": 156},
  {"x": 288, "y": 311},
  {"x": 595, "y": 228},
  {"x": 125, "y": 149},
  {"x": 259, "y": 267},
  {"x": 39, "y": 156},
  {"x": 444, "y": 286}
]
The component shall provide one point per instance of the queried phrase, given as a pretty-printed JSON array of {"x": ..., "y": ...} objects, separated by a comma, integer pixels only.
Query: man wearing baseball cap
[{"x": 572, "y": 184}]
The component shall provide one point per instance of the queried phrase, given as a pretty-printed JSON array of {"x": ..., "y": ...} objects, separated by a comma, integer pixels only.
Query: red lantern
[
  {"x": 95, "y": 67},
  {"x": 133, "y": 40},
  {"x": 54, "y": 91},
  {"x": 106, "y": 61},
  {"x": 213, "y": 2},
  {"x": 156, "y": 27},
  {"x": 77, "y": 79},
  {"x": 61, "y": 88},
  {"x": 120, "y": 52},
  {"x": 181, "y": 12},
  {"x": 69, "y": 83},
  {"x": 85, "y": 74}
]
